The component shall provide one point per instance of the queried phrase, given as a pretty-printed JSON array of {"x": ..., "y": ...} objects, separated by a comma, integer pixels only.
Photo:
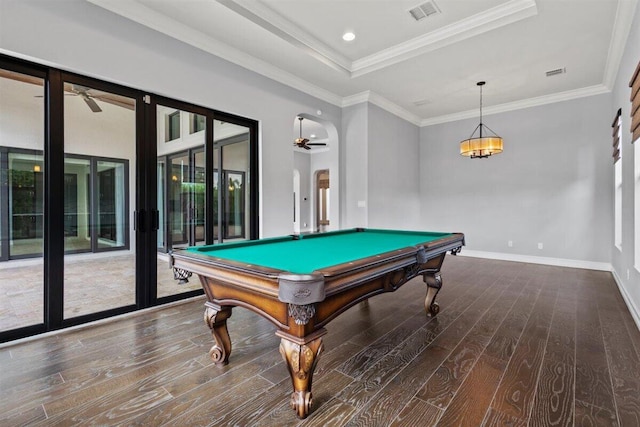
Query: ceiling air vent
[
  {"x": 423, "y": 10},
  {"x": 556, "y": 72}
]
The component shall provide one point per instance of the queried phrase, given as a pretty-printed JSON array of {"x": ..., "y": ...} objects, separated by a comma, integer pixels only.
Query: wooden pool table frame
[{"x": 300, "y": 305}]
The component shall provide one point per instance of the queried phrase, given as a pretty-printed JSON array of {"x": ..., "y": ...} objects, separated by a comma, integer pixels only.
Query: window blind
[
  {"x": 634, "y": 84},
  {"x": 616, "y": 135}
]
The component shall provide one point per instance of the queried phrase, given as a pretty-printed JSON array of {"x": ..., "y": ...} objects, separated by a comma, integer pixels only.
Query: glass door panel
[
  {"x": 112, "y": 204},
  {"x": 179, "y": 201},
  {"x": 77, "y": 205},
  {"x": 181, "y": 190},
  {"x": 100, "y": 149},
  {"x": 233, "y": 141},
  {"x": 198, "y": 198},
  {"x": 21, "y": 200},
  {"x": 162, "y": 185},
  {"x": 216, "y": 196}
]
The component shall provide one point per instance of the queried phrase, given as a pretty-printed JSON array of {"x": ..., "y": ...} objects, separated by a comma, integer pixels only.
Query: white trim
[
  {"x": 382, "y": 102},
  {"x": 291, "y": 32},
  {"x": 633, "y": 309},
  {"x": 143, "y": 15},
  {"x": 518, "y": 105},
  {"x": 560, "y": 262},
  {"x": 358, "y": 98},
  {"x": 488, "y": 20},
  {"x": 621, "y": 28}
]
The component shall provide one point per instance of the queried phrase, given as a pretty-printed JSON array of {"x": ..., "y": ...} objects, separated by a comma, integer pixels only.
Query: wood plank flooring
[{"x": 514, "y": 344}]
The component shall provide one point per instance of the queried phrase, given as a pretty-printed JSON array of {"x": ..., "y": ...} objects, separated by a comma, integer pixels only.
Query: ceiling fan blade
[
  {"x": 317, "y": 143},
  {"x": 119, "y": 101},
  {"x": 306, "y": 147},
  {"x": 92, "y": 104}
]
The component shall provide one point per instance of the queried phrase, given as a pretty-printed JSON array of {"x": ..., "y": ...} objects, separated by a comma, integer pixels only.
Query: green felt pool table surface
[{"x": 305, "y": 254}]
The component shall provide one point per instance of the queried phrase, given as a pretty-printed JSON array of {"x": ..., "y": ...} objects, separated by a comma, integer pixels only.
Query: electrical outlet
[
  {"x": 510, "y": 243},
  {"x": 540, "y": 246}
]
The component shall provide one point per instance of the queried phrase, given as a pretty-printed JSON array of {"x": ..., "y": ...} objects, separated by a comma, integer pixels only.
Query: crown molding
[
  {"x": 621, "y": 28},
  {"x": 489, "y": 20},
  {"x": 496, "y": 17},
  {"x": 265, "y": 17},
  {"x": 382, "y": 102},
  {"x": 143, "y": 15},
  {"x": 518, "y": 105}
]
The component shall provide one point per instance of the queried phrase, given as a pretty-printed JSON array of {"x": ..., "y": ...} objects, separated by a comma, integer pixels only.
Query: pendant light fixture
[{"x": 483, "y": 145}]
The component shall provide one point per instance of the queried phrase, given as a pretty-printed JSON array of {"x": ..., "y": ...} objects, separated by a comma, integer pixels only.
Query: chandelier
[{"x": 484, "y": 145}]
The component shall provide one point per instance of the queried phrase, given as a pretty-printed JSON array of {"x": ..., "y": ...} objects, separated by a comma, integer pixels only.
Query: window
[
  {"x": 636, "y": 166},
  {"x": 173, "y": 126},
  {"x": 634, "y": 84},
  {"x": 617, "y": 153},
  {"x": 197, "y": 123}
]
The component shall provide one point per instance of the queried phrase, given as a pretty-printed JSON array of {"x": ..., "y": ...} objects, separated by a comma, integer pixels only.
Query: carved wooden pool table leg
[
  {"x": 215, "y": 318},
  {"x": 434, "y": 283},
  {"x": 301, "y": 357}
]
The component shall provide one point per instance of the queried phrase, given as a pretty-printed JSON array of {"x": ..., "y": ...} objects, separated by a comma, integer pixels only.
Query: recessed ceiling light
[
  {"x": 348, "y": 36},
  {"x": 313, "y": 135}
]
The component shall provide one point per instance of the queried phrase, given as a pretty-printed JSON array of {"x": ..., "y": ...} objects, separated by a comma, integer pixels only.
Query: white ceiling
[{"x": 425, "y": 71}]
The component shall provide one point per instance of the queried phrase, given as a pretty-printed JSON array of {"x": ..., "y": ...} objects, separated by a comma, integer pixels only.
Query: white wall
[
  {"x": 78, "y": 36},
  {"x": 551, "y": 185},
  {"x": 627, "y": 276}
]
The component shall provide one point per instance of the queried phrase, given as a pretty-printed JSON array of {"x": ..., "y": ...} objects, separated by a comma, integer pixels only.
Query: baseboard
[
  {"x": 561, "y": 262},
  {"x": 635, "y": 313}
]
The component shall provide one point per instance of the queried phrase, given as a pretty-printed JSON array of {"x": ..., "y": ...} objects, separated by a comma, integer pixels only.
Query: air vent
[
  {"x": 423, "y": 10},
  {"x": 556, "y": 72}
]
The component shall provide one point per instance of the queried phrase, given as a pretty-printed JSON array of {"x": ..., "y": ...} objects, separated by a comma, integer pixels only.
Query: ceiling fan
[
  {"x": 109, "y": 98},
  {"x": 304, "y": 142},
  {"x": 89, "y": 97}
]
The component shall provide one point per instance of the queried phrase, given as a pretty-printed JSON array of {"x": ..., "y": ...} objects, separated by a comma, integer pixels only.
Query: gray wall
[
  {"x": 627, "y": 275},
  {"x": 551, "y": 185},
  {"x": 78, "y": 36},
  {"x": 302, "y": 162},
  {"x": 354, "y": 152},
  {"x": 393, "y": 171}
]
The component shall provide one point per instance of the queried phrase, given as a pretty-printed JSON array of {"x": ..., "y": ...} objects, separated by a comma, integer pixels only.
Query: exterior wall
[
  {"x": 627, "y": 275},
  {"x": 553, "y": 184},
  {"x": 78, "y": 36}
]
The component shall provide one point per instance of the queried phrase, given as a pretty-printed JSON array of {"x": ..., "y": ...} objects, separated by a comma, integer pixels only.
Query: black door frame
[{"x": 145, "y": 213}]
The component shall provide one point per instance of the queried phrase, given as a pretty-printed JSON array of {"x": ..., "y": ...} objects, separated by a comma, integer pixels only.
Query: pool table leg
[
  {"x": 215, "y": 317},
  {"x": 434, "y": 283},
  {"x": 301, "y": 356}
]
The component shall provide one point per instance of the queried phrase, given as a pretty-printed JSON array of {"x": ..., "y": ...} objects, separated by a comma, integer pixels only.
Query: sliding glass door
[
  {"x": 182, "y": 189},
  {"x": 98, "y": 182},
  {"x": 21, "y": 199},
  {"x": 99, "y": 188},
  {"x": 232, "y": 142}
]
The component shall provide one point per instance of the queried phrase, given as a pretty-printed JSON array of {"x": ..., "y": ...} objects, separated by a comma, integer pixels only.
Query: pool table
[{"x": 301, "y": 282}]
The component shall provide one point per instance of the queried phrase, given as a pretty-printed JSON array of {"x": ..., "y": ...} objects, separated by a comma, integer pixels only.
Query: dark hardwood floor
[{"x": 514, "y": 344}]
